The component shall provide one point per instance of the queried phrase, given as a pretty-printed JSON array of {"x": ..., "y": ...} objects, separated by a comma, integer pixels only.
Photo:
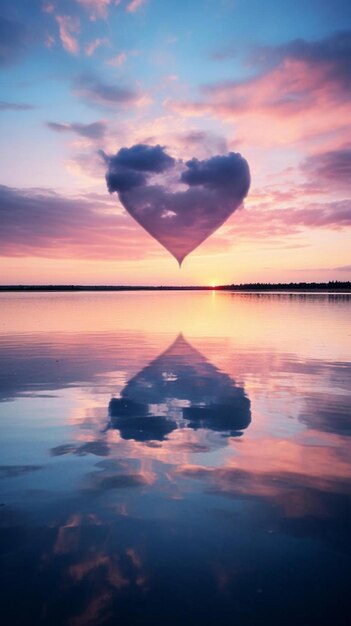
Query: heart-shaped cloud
[{"x": 179, "y": 204}]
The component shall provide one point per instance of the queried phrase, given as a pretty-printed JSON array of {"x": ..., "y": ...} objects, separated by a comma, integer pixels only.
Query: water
[{"x": 175, "y": 458}]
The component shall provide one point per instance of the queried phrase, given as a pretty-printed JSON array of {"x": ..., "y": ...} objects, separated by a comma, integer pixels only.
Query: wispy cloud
[
  {"x": 69, "y": 28},
  {"x": 93, "y": 90},
  {"x": 118, "y": 60},
  {"x": 95, "y": 44},
  {"x": 301, "y": 89},
  {"x": 170, "y": 78},
  {"x": 266, "y": 221},
  {"x": 332, "y": 168},
  {"x": 15, "y": 106},
  {"x": 134, "y": 5},
  {"x": 96, "y": 8},
  {"x": 48, "y": 7},
  {"x": 41, "y": 223},
  {"x": 95, "y": 130}
]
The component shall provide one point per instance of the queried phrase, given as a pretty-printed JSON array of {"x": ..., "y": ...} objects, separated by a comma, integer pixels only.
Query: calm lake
[{"x": 175, "y": 458}]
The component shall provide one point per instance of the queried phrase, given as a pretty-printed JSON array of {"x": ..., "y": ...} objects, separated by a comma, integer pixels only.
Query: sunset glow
[{"x": 267, "y": 80}]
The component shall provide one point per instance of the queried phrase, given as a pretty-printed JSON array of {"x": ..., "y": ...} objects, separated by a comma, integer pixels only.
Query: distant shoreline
[{"x": 330, "y": 287}]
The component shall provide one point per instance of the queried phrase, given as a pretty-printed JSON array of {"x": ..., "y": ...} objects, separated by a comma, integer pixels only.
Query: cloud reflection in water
[{"x": 179, "y": 389}]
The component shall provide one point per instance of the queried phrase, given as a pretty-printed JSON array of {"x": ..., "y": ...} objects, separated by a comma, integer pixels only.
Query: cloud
[
  {"x": 93, "y": 90},
  {"x": 205, "y": 141},
  {"x": 180, "y": 383},
  {"x": 98, "y": 448},
  {"x": 41, "y": 223},
  {"x": 331, "y": 168},
  {"x": 220, "y": 173},
  {"x": 340, "y": 268},
  {"x": 15, "y": 106},
  {"x": 95, "y": 44},
  {"x": 130, "y": 166},
  {"x": 264, "y": 221},
  {"x": 343, "y": 268},
  {"x": 12, "y": 471},
  {"x": 139, "y": 157},
  {"x": 327, "y": 412},
  {"x": 96, "y": 8},
  {"x": 330, "y": 214},
  {"x": 95, "y": 130},
  {"x": 134, "y": 426},
  {"x": 301, "y": 89},
  {"x": 69, "y": 27},
  {"x": 333, "y": 52},
  {"x": 48, "y": 7},
  {"x": 179, "y": 219},
  {"x": 14, "y": 37},
  {"x": 170, "y": 78},
  {"x": 118, "y": 60},
  {"x": 106, "y": 480},
  {"x": 134, "y": 5}
]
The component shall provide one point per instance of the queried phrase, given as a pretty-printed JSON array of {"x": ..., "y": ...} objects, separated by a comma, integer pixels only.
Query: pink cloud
[
  {"x": 118, "y": 60},
  {"x": 97, "y": 8},
  {"x": 48, "y": 7},
  {"x": 171, "y": 78},
  {"x": 134, "y": 5},
  {"x": 301, "y": 93},
  {"x": 330, "y": 169},
  {"x": 94, "y": 45},
  {"x": 68, "y": 28},
  {"x": 45, "y": 224},
  {"x": 265, "y": 221}
]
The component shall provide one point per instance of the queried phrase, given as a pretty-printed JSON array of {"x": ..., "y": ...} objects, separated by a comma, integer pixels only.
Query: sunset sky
[{"x": 269, "y": 80}]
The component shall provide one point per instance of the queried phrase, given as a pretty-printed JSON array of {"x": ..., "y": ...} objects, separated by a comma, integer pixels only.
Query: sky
[{"x": 87, "y": 86}]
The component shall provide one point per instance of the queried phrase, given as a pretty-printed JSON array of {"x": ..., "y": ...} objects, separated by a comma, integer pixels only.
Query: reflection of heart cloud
[
  {"x": 182, "y": 213},
  {"x": 180, "y": 385}
]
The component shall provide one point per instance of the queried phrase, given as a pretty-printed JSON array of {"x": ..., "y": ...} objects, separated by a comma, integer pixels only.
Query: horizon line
[{"x": 333, "y": 285}]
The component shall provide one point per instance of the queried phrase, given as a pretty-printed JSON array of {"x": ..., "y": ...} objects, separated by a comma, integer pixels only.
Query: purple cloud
[
  {"x": 219, "y": 172},
  {"x": 334, "y": 51},
  {"x": 343, "y": 268},
  {"x": 208, "y": 142},
  {"x": 333, "y": 168},
  {"x": 15, "y": 106},
  {"x": 130, "y": 166},
  {"x": 180, "y": 219},
  {"x": 143, "y": 158},
  {"x": 223, "y": 408},
  {"x": 95, "y": 130},
  {"x": 38, "y": 222},
  {"x": 305, "y": 82},
  {"x": 93, "y": 90}
]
